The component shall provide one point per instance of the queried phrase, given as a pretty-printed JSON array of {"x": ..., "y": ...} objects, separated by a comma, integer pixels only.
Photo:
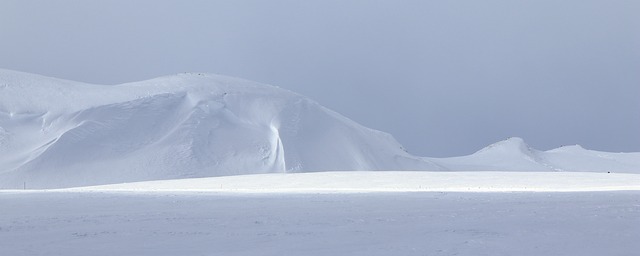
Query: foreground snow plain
[
  {"x": 332, "y": 213},
  {"x": 421, "y": 223}
]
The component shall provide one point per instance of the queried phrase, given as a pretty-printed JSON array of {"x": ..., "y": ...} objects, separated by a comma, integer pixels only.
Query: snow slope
[
  {"x": 56, "y": 133},
  {"x": 514, "y": 154}
]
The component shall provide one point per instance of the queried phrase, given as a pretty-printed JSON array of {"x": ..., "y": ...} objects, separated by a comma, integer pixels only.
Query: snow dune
[
  {"x": 56, "y": 133},
  {"x": 514, "y": 154}
]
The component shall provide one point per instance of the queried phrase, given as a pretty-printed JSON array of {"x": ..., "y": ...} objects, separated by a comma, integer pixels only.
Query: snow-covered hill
[
  {"x": 514, "y": 154},
  {"x": 57, "y": 133}
]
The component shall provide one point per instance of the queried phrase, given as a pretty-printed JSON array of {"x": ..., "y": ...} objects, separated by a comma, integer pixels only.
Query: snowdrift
[
  {"x": 56, "y": 133},
  {"x": 514, "y": 154}
]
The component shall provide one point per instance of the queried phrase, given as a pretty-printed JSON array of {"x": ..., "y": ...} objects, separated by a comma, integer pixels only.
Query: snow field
[{"x": 445, "y": 223}]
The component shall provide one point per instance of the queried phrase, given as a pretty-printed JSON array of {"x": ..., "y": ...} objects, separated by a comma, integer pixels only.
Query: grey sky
[{"x": 444, "y": 77}]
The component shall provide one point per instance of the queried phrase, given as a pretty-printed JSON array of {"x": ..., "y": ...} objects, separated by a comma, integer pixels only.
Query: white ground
[
  {"x": 423, "y": 223},
  {"x": 62, "y": 134},
  {"x": 332, "y": 213},
  {"x": 388, "y": 181}
]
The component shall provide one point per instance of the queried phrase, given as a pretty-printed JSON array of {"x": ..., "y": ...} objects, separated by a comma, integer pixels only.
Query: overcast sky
[{"x": 444, "y": 77}]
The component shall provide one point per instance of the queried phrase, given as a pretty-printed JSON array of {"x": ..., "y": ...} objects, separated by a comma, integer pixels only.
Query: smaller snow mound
[
  {"x": 569, "y": 148},
  {"x": 577, "y": 158},
  {"x": 512, "y": 154},
  {"x": 512, "y": 146}
]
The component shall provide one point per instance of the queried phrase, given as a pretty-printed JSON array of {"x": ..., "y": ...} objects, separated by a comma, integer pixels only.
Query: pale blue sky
[{"x": 444, "y": 77}]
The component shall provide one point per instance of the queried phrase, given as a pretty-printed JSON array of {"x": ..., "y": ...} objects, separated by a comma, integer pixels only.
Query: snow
[
  {"x": 202, "y": 164},
  {"x": 56, "y": 133},
  {"x": 59, "y": 133},
  {"x": 388, "y": 181},
  {"x": 513, "y": 154},
  {"x": 87, "y": 223}
]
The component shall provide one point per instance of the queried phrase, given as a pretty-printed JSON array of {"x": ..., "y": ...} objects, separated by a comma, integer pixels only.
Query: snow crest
[{"x": 513, "y": 154}]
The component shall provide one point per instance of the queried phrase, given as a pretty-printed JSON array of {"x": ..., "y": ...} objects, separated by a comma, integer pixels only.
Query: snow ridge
[{"x": 513, "y": 154}]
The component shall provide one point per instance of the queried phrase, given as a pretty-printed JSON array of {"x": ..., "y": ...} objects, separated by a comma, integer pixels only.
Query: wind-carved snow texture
[{"x": 56, "y": 133}]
